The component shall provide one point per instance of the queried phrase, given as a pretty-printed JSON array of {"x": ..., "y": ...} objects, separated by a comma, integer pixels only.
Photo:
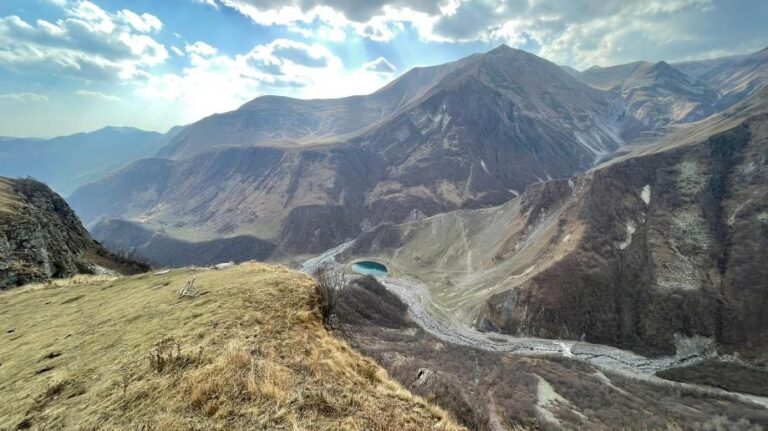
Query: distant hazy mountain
[
  {"x": 467, "y": 134},
  {"x": 68, "y": 162},
  {"x": 696, "y": 68},
  {"x": 654, "y": 95},
  {"x": 738, "y": 80}
]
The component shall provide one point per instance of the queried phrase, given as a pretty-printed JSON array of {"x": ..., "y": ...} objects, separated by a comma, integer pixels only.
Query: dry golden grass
[
  {"x": 249, "y": 353},
  {"x": 9, "y": 200}
]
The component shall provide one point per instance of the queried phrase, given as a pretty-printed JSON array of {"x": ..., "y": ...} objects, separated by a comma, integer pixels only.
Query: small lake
[{"x": 367, "y": 267}]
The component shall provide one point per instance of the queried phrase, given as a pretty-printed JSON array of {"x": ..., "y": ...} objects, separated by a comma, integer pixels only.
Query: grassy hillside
[{"x": 249, "y": 352}]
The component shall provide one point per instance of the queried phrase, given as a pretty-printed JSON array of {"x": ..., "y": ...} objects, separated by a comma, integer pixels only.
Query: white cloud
[
  {"x": 219, "y": 83},
  {"x": 176, "y": 50},
  {"x": 211, "y": 3},
  {"x": 25, "y": 97},
  {"x": 201, "y": 48},
  {"x": 575, "y": 32},
  {"x": 380, "y": 65},
  {"x": 144, "y": 23},
  {"x": 88, "y": 43},
  {"x": 376, "y": 20},
  {"x": 97, "y": 95}
]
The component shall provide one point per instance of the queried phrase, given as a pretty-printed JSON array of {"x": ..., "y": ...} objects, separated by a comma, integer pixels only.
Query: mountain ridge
[{"x": 487, "y": 127}]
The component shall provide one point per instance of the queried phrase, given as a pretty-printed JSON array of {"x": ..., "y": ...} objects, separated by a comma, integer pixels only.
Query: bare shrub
[
  {"x": 331, "y": 287},
  {"x": 167, "y": 354}
]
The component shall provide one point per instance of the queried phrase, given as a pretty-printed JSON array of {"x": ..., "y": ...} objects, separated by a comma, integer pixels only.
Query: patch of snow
[
  {"x": 485, "y": 168},
  {"x": 163, "y": 272},
  {"x": 631, "y": 228},
  {"x": 749, "y": 168},
  {"x": 696, "y": 345},
  {"x": 645, "y": 195},
  {"x": 514, "y": 192},
  {"x": 403, "y": 134},
  {"x": 100, "y": 270},
  {"x": 566, "y": 347},
  {"x": 732, "y": 217},
  {"x": 224, "y": 265}
]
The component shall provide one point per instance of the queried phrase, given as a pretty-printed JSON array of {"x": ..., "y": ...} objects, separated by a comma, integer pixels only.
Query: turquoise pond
[{"x": 367, "y": 267}]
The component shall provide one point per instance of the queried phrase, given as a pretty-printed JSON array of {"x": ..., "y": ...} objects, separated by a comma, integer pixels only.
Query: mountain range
[
  {"x": 68, "y": 162},
  {"x": 468, "y": 134},
  {"x": 487, "y": 177},
  {"x": 306, "y": 175}
]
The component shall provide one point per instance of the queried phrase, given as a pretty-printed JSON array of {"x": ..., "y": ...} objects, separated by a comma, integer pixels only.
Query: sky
[{"x": 69, "y": 66}]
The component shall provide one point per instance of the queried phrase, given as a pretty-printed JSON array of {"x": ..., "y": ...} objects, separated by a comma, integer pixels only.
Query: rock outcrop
[{"x": 42, "y": 238}]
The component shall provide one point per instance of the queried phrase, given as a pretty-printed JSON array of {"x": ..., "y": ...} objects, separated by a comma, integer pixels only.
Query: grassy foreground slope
[{"x": 249, "y": 353}]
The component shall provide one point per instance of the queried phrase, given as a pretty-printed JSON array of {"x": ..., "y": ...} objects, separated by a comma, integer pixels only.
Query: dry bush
[
  {"x": 167, "y": 354},
  {"x": 331, "y": 289}
]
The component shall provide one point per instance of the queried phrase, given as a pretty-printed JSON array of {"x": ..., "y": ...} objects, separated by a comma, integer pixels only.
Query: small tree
[{"x": 331, "y": 287}]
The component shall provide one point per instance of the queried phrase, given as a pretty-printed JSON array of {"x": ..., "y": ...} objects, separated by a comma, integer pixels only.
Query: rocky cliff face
[
  {"x": 668, "y": 248},
  {"x": 42, "y": 238}
]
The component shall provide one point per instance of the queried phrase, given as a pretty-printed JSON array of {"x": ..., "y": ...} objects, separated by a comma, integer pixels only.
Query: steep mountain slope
[
  {"x": 68, "y": 162},
  {"x": 249, "y": 353},
  {"x": 634, "y": 253},
  {"x": 41, "y": 238},
  {"x": 738, "y": 80},
  {"x": 654, "y": 95},
  {"x": 479, "y": 130}
]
